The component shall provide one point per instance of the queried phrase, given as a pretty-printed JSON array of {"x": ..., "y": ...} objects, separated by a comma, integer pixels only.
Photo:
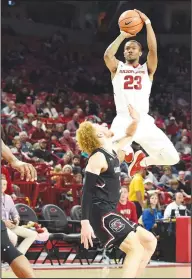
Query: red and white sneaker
[
  {"x": 129, "y": 154},
  {"x": 129, "y": 158},
  {"x": 135, "y": 165}
]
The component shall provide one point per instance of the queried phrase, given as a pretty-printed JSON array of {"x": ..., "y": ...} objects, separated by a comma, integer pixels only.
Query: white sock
[{"x": 127, "y": 149}]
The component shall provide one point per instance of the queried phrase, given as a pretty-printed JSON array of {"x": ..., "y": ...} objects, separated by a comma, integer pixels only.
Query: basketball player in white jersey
[{"x": 132, "y": 85}]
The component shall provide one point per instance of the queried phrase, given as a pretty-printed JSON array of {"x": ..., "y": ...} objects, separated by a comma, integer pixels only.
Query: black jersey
[{"x": 108, "y": 184}]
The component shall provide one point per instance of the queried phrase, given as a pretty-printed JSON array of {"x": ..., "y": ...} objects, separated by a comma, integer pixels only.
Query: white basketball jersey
[{"x": 131, "y": 85}]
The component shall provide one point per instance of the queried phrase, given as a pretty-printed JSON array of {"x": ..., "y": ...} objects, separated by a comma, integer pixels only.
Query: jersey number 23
[{"x": 133, "y": 82}]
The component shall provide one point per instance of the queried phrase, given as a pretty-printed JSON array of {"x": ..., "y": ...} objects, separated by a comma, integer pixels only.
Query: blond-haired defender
[{"x": 101, "y": 193}]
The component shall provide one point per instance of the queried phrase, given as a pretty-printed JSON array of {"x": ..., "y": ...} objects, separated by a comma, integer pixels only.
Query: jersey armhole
[
  {"x": 118, "y": 67},
  {"x": 145, "y": 65}
]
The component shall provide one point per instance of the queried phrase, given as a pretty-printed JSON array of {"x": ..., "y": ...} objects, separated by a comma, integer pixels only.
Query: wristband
[{"x": 147, "y": 21}]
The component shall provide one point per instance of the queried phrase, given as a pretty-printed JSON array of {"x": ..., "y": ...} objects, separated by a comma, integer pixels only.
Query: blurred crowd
[{"x": 50, "y": 86}]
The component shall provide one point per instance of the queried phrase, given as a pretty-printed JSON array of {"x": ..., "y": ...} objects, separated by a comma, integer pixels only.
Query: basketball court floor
[{"x": 154, "y": 270}]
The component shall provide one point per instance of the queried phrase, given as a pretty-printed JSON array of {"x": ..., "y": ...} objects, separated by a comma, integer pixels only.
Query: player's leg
[
  {"x": 22, "y": 268},
  {"x": 29, "y": 237},
  {"x": 122, "y": 233},
  {"x": 118, "y": 127},
  {"x": 149, "y": 242},
  {"x": 18, "y": 262},
  {"x": 134, "y": 251},
  {"x": 160, "y": 149}
]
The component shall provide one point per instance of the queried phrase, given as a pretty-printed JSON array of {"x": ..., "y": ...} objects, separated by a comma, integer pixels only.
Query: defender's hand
[
  {"x": 26, "y": 170},
  {"x": 127, "y": 35},
  {"x": 133, "y": 113},
  {"x": 142, "y": 15},
  {"x": 87, "y": 234}
]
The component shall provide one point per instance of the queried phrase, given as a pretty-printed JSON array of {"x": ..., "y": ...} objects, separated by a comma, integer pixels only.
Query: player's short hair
[
  {"x": 87, "y": 138},
  {"x": 134, "y": 41}
]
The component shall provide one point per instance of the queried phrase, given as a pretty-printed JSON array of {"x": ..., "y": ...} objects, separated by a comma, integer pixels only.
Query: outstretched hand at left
[{"x": 25, "y": 169}]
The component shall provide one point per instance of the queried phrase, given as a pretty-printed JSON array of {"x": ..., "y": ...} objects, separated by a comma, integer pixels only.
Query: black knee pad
[{"x": 8, "y": 251}]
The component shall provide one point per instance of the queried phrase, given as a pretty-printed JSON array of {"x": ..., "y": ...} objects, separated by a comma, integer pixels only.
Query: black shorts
[
  {"x": 8, "y": 251},
  {"x": 109, "y": 226}
]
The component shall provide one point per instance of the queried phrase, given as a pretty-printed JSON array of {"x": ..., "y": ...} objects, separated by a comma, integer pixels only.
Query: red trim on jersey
[{"x": 133, "y": 65}]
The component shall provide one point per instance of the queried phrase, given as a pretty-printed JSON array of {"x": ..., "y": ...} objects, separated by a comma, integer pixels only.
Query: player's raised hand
[
  {"x": 133, "y": 113},
  {"x": 142, "y": 15},
  {"x": 127, "y": 35},
  {"x": 87, "y": 234}
]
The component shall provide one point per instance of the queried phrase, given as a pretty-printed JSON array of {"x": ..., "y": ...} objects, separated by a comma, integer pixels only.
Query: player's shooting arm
[
  {"x": 152, "y": 59},
  {"x": 92, "y": 171},
  {"x": 152, "y": 54},
  {"x": 109, "y": 55}
]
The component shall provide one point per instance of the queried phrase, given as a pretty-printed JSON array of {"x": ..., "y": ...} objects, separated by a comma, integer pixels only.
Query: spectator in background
[
  {"x": 159, "y": 122},
  {"x": 28, "y": 126},
  {"x": 67, "y": 169},
  {"x": 73, "y": 125},
  {"x": 152, "y": 213},
  {"x": 43, "y": 153},
  {"x": 38, "y": 106},
  {"x": 76, "y": 164},
  {"x": 149, "y": 186},
  {"x": 137, "y": 191},
  {"x": 174, "y": 187},
  {"x": 22, "y": 95},
  {"x": 20, "y": 118},
  {"x": 37, "y": 132},
  {"x": 59, "y": 130},
  {"x": 183, "y": 146},
  {"x": 28, "y": 107},
  {"x": 68, "y": 142},
  {"x": 166, "y": 176},
  {"x": 78, "y": 178},
  {"x": 10, "y": 109},
  {"x": 25, "y": 145},
  {"x": 16, "y": 145},
  {"x": 175, "y": 205},
  {"x": 50, "y": 110},
  {"x": 67, "y": 158},
  {"x": 126, "y": 207},
  {"x": 151, "y": 177},
  {"x": 67, "y": 114},
  {"x": 124, "y": 169},
  {"x": 13, "y": 128},
  {"x": 172, "y": 129},
  {"x": 126, "y": 182}
]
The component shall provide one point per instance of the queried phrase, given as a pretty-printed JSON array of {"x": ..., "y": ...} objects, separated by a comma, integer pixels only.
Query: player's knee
[
  {"x": 132, "y": 244},
  {"x": 153, "y": 244}
]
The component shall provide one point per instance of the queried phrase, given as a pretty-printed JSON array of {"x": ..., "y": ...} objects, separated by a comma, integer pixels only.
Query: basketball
[{"x": 130, "y": 22}]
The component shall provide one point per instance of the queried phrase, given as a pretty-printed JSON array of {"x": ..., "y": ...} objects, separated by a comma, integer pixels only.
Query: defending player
[
  {"x": 132, "y": 85},
  {"x": 101, "y": 193}
]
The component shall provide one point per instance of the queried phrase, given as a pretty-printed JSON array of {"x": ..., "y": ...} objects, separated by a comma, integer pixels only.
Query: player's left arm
[
  {"x": 130, "y": 131},
  {"x": 93, "y": 169},
  {"x": 152, "y": 59}
]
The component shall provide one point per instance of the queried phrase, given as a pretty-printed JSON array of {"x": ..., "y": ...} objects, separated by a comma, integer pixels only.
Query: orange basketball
[{"x": 130, "y": 22}]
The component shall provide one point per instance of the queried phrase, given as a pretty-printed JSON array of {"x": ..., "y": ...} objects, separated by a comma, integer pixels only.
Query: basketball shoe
[{"x": 135, "y": 165}]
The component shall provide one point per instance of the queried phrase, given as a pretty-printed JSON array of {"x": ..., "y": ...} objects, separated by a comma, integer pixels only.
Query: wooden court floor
[{"x": 150, "y": 272}]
